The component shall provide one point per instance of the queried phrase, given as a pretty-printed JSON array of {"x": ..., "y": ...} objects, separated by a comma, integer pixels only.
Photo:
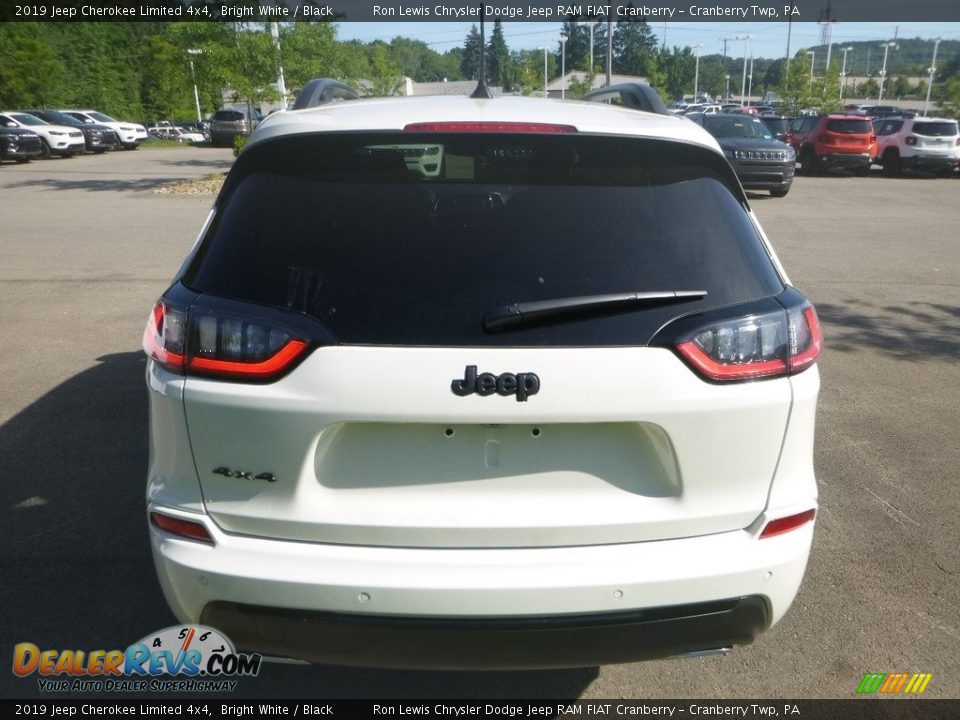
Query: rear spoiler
[
  {"x": 634, "y": 95},
  {"x": 321, "y": 91}
]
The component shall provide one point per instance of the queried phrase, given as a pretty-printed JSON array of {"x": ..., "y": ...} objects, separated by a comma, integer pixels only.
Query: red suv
[{"x": 825, "y": 142}]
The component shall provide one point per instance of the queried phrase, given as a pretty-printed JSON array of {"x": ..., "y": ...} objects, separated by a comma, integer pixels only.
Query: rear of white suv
[
  {"x": 550, "y": 406},
  {"x": 924, "y": 144}
]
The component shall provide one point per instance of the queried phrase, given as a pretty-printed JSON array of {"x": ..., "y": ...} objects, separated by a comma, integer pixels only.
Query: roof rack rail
[
  {"x": 321, "y": 91},
  {"x": 634, "y": 95}
]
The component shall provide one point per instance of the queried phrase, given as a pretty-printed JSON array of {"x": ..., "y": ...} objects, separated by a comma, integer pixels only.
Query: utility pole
[
  {"x": 609, "y": 50},
  {"x": 883, "y": 72},
  {"x": 696, "y": 72},
  {"x": 743, "y": 82},
  {"x": 544, "y": 48},
  {"x": 828, "y": 33},
  {"x": 563, "y": 66},
  {"x": 933, "y": 70},
  {"x": 750, "y": 77},
  {"x": 281, "y": 84},
  {"x": 843, "y": 73},
  {"x": 196, "y": 96}
]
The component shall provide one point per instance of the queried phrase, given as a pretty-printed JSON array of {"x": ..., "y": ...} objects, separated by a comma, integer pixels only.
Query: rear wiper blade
[{"x": 506, "y": 316}]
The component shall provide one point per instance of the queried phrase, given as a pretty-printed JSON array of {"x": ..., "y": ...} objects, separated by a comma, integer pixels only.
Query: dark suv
[
  {"x": 228, "y": 123},
  {"x": 827, "y": 142},
  {"x": 19, "y": 144}
]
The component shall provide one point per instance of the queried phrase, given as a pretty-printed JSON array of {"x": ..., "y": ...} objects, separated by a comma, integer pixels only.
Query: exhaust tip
[{"x": 705, "y": 653}]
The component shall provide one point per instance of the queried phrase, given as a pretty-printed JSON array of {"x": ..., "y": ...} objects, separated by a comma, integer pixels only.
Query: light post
[
  {"x": 743, "y": 82},
  {"x": 750, "y": 77},
  {"x": 933, "y": 69},
  {"x": 696, "y": 72},
  {"x": 544, "y": 48},
  {"x": 726, "y": 95},
  {"x": 843, "y": 72},
  {"x": 563, "y": 66},
  {"x": 193, "y": 78},
  {"x": 813, "y": 57},
  {"x": 590, "y": 24},
  {"x": 883, "y": 71}
]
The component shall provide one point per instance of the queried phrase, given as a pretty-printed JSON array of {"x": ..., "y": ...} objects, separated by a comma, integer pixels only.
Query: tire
[
  {"x": 808, "y": 162},
  {"x": 892, "y": 164},
  {"x": 780, "y": 192},
  {"x": 22, "y": 161},
  {"x": 44, "y": 149}
]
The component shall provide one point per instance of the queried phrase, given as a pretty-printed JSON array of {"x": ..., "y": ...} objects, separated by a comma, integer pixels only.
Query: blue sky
[{"x": 769, "y": 39}]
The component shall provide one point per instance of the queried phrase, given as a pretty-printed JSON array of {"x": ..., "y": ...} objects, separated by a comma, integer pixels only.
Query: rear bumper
[
  {"x": 485, "y": 643},
  {"x": 929, "y": 162},
  {"x": 518, "y": 607},
  {"x": 846, "y": 161}
]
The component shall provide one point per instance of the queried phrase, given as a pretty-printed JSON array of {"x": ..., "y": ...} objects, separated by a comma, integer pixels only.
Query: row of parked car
[
  {"x": 30, "y": 133},
  {"x": 764, "y": 149}
]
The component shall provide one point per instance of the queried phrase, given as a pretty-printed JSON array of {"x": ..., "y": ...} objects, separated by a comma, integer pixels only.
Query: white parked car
[
  {"x": 550, "y": 406},
  {"x": 920, "y": 143},
  {"x": 54, "y": 139},
  {"x": 130, "y": 134}
]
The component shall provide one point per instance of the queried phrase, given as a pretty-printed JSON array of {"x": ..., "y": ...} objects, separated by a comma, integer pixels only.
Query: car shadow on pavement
[
  {"x": 113, "y": 185},
  {"x": 219, "y": 164},
  {"x": 915, "y": 331},
  {"x": 75, "y": 558}
]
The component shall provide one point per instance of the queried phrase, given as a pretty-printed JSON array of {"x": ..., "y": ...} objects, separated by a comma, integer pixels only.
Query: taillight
[
  {"x": 958, "y": 142},
  {"x": 911, "y": 140},
  {"x": 786, "y": 524},
  {"x": 165, "y": 337},
  {"x": 487, "y": 126},
  {"x": 210, "y": 343},
  {"x": 873, "y": 139},
  {"x": 182, "y": 528},
  {"x": 756, "y": 346}
]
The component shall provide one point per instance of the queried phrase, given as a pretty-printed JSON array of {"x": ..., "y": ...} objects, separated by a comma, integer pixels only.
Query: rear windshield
[
  {"x": 409, "y": 239},
  {"x": 777, "y": 125},
  {"x": 228, "y": 115},
  {"x": 935, "y": 129},
  {"x": 850, "y": 126}
]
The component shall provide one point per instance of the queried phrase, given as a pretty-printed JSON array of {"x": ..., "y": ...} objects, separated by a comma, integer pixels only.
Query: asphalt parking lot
[{"x": 86, "y": 247}]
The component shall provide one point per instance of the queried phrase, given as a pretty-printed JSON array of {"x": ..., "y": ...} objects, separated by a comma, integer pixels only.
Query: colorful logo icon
[
  {"x": 182, "y": 651},
  {"x": 894, "y": 683}
]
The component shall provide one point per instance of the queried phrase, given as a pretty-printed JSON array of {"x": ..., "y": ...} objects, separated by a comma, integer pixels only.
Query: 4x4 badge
[{"x": 523, "y": 385}]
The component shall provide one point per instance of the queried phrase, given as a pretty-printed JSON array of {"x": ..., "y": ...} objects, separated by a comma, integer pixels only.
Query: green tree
[
  {"x": 499, "y": 70},
  {"x": 634, "y": 49},
  {"x": 31, "y": 73},
  {"x": 470, "y": 62},
  {"x": 948, "y": 103}
]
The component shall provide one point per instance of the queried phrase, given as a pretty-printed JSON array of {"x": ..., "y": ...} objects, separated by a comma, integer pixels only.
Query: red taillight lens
[
  {"x": 911, "y": 140},
  {"x": 218, "y": 345},
  {"x": 488, "y": 127},
  {"x": 958, "y": 142},
  {"x": 756, "y": 346},
  {"x": 165, "y": 337},
  {"x": 182, "y": 528},
  {"x": 786, "y": 524}
]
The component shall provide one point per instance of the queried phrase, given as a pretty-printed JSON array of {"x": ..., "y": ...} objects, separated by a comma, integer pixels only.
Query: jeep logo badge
[{"x": 523, "y": 385}]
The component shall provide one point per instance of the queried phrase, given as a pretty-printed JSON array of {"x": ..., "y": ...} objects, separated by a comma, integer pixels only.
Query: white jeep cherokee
[
  {"x": 551, "y": 405},
  {"x": 130, "y": 134}
]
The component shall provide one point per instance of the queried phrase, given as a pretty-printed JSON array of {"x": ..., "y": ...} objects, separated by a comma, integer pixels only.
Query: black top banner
[{"x": 473, "y": 11}]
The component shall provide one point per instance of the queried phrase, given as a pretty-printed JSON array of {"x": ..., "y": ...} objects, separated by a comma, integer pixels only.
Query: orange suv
[{"x": 840, "y": 141}]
